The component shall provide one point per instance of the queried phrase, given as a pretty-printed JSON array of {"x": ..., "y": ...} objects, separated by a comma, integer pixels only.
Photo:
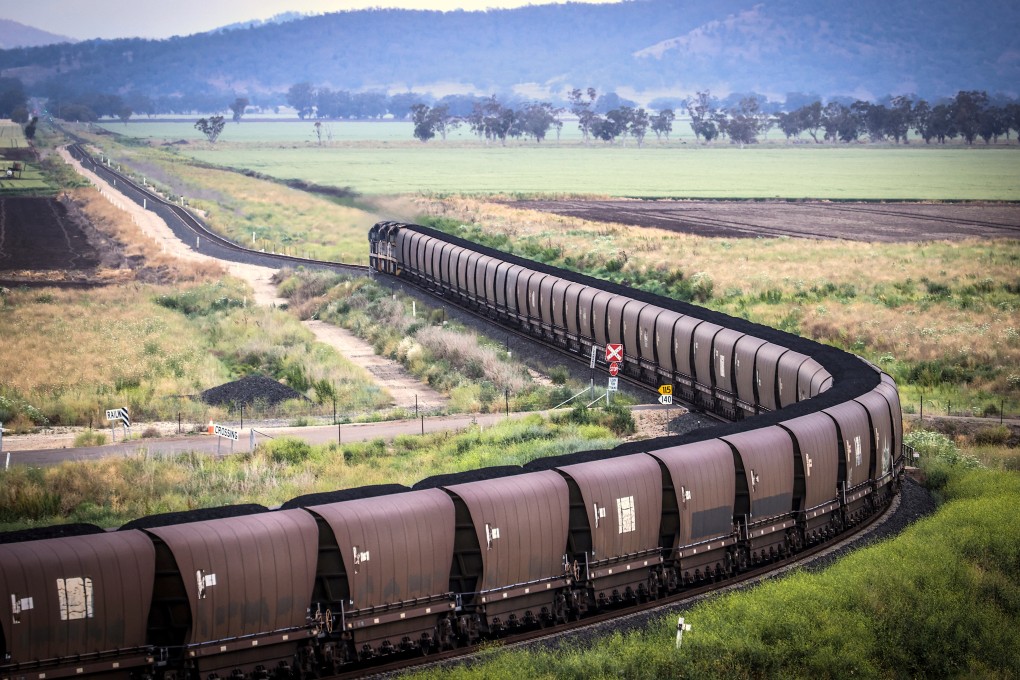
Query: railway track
[{"x": 193, "y": 232}]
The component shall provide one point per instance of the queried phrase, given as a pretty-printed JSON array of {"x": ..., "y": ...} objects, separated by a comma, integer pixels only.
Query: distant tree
[
  {"x": 789, "y": 123},
  {"x": 638, "y": 126},
  {"x": 125, "y": 114},
  {"x": 497, "y": 120},
  {"x": 1013, "y": 119},
  {"x": 943, "y": 123},
  {"x": 30, "y": 128},
  {"x": 922, "y": 121},
  {"x": 617, "y": 124},
  {"x": 424, "y": 128},
  {"x": 841, "y": 122},
  {"x": 318, "y": 131},
  {"x": 662, "y": 123},
  {"x": 874, "y": 119},
  {"x": 536, "y": 119},
  {"x": 745, "y": 123},
  {"x": 968, "y": 107},
  {"x": 810, "y": 119},
  {"x": 238, "y": 107},
  {"x": 704, "y": 121},
  {"x": 20, "y": 115},
  {"x": 901, "y": 118},
  {"x": 992, "y": 123},
  {"x": 581, "y": 106},
  {"x": 302, "y": 97},
  {"x": 210, "y": 127}
]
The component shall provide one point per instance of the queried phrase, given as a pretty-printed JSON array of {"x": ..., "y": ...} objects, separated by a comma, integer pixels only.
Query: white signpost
[
  {"x": 121, "y": 414},
  {"x": 225, "y": 433}
]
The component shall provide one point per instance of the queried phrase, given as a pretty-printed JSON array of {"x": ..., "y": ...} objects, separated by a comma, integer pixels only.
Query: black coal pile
[{"x": 249, "y": 389}]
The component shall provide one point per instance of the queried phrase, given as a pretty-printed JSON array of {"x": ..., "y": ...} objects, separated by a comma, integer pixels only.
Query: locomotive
[{"x": 329, "y": 581}]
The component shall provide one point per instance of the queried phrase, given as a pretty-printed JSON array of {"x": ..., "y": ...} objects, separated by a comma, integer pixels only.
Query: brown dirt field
[
  {"x": 38, "y": 234},
  {"x": 858, "y": 221}
]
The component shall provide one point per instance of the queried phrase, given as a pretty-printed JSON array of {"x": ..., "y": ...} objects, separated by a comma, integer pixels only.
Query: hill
[
  {"x": 643, "y": 48},
  {"x": 14, "y": 34}
]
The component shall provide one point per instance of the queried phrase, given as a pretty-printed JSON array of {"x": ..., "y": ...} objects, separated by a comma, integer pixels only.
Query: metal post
[
  {"x": 423, "y": 424},
  {"x": 949, "y": 407},
  {"x": 416, "y": 406},
  {"x": 113, "y": 431},
  {"x": 334, "y": 408},
  {"x": 506, "y": 394},
  {"x": 218, "y": 444},
  {"x": 921, "y": 417},
  {"x": 145, "y": 203},
  {"x": 242, "y": 416},
  {"x": 178, "y": 422},
  {"x": 198, "y": 242},
  {"x": 338, "y": 433},
  {"x": 1002, "y": 407}
]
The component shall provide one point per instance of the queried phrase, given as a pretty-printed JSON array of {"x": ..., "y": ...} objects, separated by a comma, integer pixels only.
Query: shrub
[
  {"x": 559, "y": 375},
  {"x": 287, "y": 450},
  {"x": 90, "y": 438},
  {"x": 997, "y": 435}
]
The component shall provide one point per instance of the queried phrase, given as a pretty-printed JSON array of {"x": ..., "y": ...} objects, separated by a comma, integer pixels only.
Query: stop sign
[{"x": 614, "y": 368}]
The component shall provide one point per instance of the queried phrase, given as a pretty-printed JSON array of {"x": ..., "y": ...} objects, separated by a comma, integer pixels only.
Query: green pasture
[{"x": 691, "y": 172}]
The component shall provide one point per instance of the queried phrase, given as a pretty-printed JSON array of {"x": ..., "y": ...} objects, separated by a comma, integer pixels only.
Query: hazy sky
[{"x": 163, "y": 18}]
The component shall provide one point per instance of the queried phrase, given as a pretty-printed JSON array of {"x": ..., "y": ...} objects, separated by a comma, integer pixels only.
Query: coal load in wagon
[{"x": 248, "y": 390}]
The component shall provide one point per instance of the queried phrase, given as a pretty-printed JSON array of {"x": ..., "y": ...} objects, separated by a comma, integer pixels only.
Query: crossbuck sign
[{"x": 614, "y": 352}]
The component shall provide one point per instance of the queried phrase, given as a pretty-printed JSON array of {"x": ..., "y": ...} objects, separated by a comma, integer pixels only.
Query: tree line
[{"x": 969, "y": 115}]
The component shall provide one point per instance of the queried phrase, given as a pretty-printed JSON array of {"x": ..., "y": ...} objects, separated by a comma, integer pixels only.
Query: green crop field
[
  {"x": 383, "y": 158},
  {"x": 694, "y": 172}
]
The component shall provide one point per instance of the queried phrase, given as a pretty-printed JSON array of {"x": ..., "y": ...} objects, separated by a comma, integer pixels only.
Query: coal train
[{"x": 330, "y": 581}]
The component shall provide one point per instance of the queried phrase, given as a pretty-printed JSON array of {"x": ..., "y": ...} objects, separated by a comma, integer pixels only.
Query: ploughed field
[
  {"x": 858, "y": 221},
  {"x": 37, "y": 234}
]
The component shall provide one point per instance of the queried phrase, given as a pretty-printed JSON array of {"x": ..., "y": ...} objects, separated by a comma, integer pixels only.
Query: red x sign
[{"x": 614, "y": 352}]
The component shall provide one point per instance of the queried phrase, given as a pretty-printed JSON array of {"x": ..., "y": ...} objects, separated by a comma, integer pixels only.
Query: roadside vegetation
[
  {"x": 884, "y": 611},
  {"x": 478, "y": 373},
  {"x": 940, "y": 317},
  {"x": 112, "y": 491}
]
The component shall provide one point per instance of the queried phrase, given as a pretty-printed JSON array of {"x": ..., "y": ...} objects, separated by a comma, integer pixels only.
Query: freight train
[{"x": 330, "y": 581}]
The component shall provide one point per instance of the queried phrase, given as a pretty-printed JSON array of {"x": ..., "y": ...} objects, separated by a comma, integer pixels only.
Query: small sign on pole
[
  {"x": 666, "y": 389},
  {"x": 594, "y": 349},
  {"x": 665, "y": 399},
  {"x": 614, "y": 368},
  {"x": 614, "y": 384},
  {"x": 115, "y": 414},
  {"x": 225, "y": 433},
  {"x": 614, "y": 352}
]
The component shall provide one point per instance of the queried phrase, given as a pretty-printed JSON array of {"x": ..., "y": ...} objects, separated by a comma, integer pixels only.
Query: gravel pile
[{"x": 249, "y": 389}]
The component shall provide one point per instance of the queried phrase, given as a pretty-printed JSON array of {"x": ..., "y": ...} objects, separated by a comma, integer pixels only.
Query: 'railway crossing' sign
[
  {"x": 614, "y": 352},
  {"x": 120, "y": 414},
  {"x": 225, "y": 432}
]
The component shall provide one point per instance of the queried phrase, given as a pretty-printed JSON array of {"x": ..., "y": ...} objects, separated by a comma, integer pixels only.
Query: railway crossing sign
[
  {"x": 665, "y": 399},
  {"x": 225, "y": 432},
  {"x": 120, "y": 414},
  {"x": 614, "y": 368},
  {"x": 614, "y": 352},
  {"x": 666, "y": 389}
]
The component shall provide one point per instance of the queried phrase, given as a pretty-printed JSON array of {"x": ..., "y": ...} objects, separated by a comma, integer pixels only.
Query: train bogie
[{"x": 615, "y": 513}]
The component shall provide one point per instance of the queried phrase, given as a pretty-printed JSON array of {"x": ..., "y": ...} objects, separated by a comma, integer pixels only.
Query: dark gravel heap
[
  {"x": 55, "y": 531},
  {"x": 249, "y": 388}
]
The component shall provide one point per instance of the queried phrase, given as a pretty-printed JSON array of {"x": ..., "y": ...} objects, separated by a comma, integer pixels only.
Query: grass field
[
  {"x": 693, "y": 172},
  {"x": 383, "y": 158}
]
